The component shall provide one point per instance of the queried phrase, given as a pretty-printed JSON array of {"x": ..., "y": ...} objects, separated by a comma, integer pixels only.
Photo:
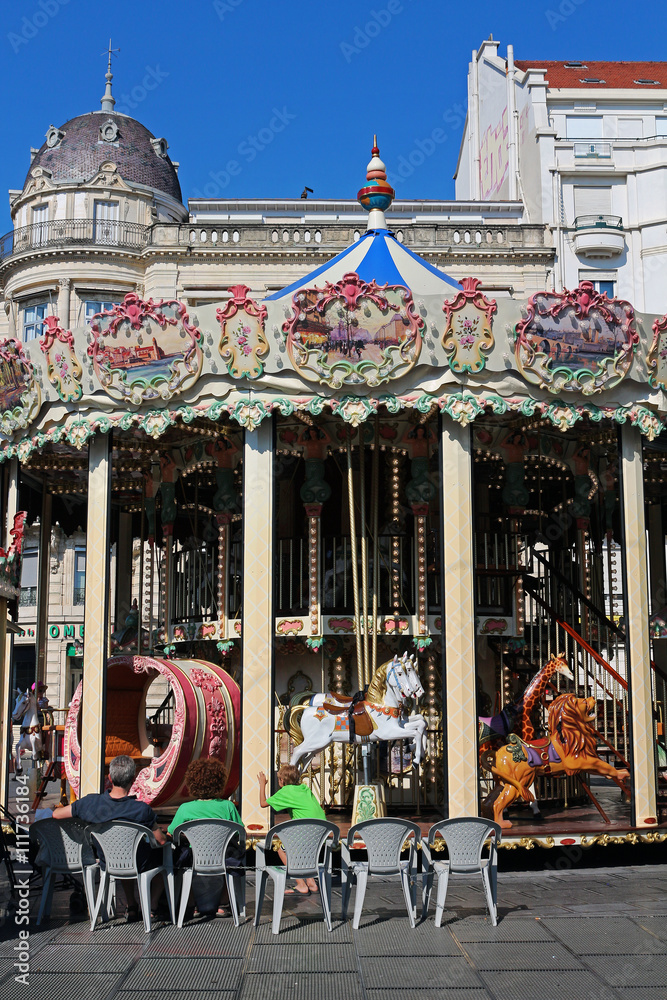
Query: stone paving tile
[
  {"x": 429, "y": 994},
  {"x": 631, "y": 970},
  {"x": 294, "y": 958},
  {"x": 510, "y": 955},
  {"x": 392, "y": 938},
  {"x": 427, "y": 973},
  {"x": 301, "y": 987},
  {"x": 47, "y": 986},
  {"x": 218, "y": 938},
  {"x": 173, "y": 974},
  {"x": 297, "y": 931},
  {"x": 78, "y": 958},
  {"x": 510, "y": 929},
  {"x": 604, "y": 936},
  {"x": 546, "y": 986}
]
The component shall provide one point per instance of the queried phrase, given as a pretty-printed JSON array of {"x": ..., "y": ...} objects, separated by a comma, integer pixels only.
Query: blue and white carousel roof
[{"x": 378, "y": 255}]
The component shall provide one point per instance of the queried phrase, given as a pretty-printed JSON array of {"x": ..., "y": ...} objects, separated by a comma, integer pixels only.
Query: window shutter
[{"x": 592, "y": 201}]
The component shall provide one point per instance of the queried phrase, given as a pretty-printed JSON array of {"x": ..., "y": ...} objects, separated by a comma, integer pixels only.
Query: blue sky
[{"x": 259, "y": 98}]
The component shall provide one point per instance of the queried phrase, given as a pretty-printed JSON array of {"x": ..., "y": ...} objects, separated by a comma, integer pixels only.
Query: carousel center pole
[
  {"x": 355, "y": 568},
  {"x": 11, "y": 485}
]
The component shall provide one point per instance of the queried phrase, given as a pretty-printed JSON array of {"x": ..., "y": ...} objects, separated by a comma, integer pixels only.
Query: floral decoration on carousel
[
  {"x": 353, "y": 332},
  {"x": 64, "y": 370},
  {"x": 243, "y": 345},
  {"x": 578, "y": 341},
  {"x": 145, "y": 350},
  {"x": 468, "y": 336},
  {"x": 656, "y": 362},
  {"x": 20, "y": 397}
]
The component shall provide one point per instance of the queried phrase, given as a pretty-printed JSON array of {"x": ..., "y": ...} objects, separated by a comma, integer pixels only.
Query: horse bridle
[{"x": 392, "y": 670}]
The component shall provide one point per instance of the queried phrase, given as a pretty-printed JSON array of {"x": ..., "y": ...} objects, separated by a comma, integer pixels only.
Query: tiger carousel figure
[{"x": 570, "y": 749}]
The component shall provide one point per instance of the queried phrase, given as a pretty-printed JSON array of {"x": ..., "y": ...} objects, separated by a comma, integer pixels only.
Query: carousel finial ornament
[{"x": 377, "y": 195}]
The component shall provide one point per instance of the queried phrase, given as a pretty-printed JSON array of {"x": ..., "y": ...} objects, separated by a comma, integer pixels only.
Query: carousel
[{"x": 378, "y": 524}]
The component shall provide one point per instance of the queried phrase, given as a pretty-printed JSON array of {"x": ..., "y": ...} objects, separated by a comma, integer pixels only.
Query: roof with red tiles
[
  {"x": 574, "y": 74},
  {"x": 81, "y": 152}
]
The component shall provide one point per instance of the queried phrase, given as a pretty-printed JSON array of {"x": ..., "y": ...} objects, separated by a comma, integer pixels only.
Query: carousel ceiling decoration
[
  {"x": 243, "y": 346},
  {"x": 354, "y": 332},
  {"x": 64, "y": 370},
  {"x": 576, "y": 341},
  {"x": 20, "y": 397},
  {"x": 656, "y": 361},
  {"x": 145, "y": 350},
  {"x": 468, "y": 336}
]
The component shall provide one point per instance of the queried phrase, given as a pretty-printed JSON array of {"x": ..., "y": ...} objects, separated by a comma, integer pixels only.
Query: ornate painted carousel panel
[
  {"x": 576, "y": 341},
  {"x": 145, "y": 350},
  {"x": 354, "y": 332}
]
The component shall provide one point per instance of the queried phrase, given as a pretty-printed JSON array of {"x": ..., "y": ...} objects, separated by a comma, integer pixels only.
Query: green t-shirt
[
  {"x": 205, "y": 809},
  {"x": 298, "y": 801}
]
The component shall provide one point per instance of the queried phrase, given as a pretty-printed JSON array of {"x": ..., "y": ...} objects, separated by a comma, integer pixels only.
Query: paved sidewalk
[{"x": 588, "y": 934}]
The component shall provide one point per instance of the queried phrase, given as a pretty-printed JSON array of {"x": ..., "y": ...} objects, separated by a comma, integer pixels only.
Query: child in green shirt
[{"x": 296, "y": 799}]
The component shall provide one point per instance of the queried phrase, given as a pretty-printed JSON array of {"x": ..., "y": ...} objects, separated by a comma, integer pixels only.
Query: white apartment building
[{"x": 583, "y": 145}]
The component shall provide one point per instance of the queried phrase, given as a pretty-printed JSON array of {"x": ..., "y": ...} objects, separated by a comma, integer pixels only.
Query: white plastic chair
[
  {"x": 308, "y": 851},
  {"x": 384, "y": 840},
  {"x": 63, "y": 850},
  {"x": 209, "y": 840},
  {"x": 119, "y": 842},
  {"x": 465, "y": 838}
]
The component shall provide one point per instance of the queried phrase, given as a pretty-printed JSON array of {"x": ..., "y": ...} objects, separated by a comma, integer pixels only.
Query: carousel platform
[{"x": 594, "y": 932}]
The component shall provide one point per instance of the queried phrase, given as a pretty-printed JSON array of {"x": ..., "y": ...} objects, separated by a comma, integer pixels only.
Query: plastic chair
[
  {"x": 209, "y": 840},
  {"x": 384, "y": 839},
  {"x": 305, "y": 842},
  {"x": 119, "y": 842},
  {"x": 63, "y": 850},
  {"x": 465, "y": 838}
]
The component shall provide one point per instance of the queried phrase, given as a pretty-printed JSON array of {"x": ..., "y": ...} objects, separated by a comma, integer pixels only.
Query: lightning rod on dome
[
  {"x": 377, "y": 194},
  {"x": 108, "y": 100}
]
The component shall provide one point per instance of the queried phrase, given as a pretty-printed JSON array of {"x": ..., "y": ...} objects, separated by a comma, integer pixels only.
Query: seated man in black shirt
[{"x": 119, "y": 804}]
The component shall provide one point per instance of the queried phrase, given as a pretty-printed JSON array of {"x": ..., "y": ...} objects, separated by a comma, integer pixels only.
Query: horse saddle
[{"x": 360, "y": 721}]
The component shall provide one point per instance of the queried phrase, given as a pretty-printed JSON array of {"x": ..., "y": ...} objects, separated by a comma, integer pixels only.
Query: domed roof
[{"x": 77, "y": 150}]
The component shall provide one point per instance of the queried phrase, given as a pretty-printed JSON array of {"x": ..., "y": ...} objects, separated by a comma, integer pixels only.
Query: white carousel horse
[
  {"x": 25, "y": 712},
  {"x": 325, "y": 720}
]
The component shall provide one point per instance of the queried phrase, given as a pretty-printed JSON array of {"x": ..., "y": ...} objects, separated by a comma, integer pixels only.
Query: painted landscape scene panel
[
  {"x": 343, "y": 334},
  {"x": 576, "y": 342}
]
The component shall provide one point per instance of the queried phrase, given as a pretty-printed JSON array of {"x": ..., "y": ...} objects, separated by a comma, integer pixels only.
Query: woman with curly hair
[{"x": 205, "y": 780}]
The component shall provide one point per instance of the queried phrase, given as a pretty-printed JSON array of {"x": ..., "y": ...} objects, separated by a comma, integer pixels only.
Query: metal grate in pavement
[
  {"x": 218, "y": 938},
  {"x": 111, "y": 933},
  {"x": 388, "y": 937},
  {"x": 297, "y": 931},
  {"x": 631, "y": 970},
  {"x": 84, "y": 957},
  {"x": 430, "y": 994},
  {"x": 507, "y": 955},
  {"x": 654, "y": 925},
  {"x": 7, "y": 967},
  {"x": 38, "y": 938},
  {"x": 296, "y": 987},
  {"x": 295, "y": 958},
  {"x": 473, "y": 930},
  {"x": 564, "y": 985},
  {"x": 604, "y": 936},
  {"x": 424, "y": 973},
  {"x": 181, "y": 995},
  {"x": 46, "y": 986},
  {"x": 172, "y": 974}
]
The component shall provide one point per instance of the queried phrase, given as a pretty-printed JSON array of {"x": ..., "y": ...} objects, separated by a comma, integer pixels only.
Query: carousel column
[
  {"x": 6, "y": 642},
  {"x": 638, "y": 648},
  {"x": 41, "y": 638},
  {"x": 96, "y": 614},
  {"x": 459, "y": 606},
  {"x": 64, "y": 286},
  {"x": 169, "y": 474},
  {"x": 257, "y": 688}
]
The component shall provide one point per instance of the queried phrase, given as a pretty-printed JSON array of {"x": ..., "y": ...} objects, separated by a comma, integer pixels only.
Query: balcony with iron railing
[
  {"x": 598, "y": 235},
  {"x": 72, "y": 233}
]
